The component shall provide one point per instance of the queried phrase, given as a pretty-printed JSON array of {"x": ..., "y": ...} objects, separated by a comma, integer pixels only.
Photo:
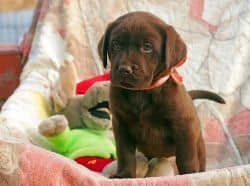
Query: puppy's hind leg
[
  {"x": 187, "y": 159},
  {"x": 201, "y": 154}
]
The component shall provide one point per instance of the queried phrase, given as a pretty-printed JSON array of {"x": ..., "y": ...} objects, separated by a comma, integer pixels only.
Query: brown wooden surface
[
  {"x": 10, "y": 69},
  {"x": 13, "y": 5}
]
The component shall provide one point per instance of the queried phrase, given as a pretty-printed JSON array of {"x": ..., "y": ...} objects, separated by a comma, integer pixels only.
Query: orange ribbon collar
[{"x": 172, "y": 73}]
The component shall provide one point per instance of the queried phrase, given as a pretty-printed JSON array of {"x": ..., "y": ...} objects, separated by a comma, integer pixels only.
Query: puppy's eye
[
  {"x": 147, "y": 47},
  {"x": 115, "y": 45}
]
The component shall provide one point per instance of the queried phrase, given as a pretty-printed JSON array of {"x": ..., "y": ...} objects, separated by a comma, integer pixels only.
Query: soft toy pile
[{"x": 80, "y": 130}]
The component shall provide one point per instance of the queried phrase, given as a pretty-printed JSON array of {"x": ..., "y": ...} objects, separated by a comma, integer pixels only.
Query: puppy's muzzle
[
  {"x": 125, "y": 70},
  {"x": 123, "y": 76}
]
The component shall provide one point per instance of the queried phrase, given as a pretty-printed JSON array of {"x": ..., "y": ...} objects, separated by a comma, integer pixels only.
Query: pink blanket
[{"x": 39, "y": 167}]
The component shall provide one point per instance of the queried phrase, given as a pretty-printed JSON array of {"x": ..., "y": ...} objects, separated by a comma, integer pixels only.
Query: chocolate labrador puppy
[{"x": 151, "y": 109}]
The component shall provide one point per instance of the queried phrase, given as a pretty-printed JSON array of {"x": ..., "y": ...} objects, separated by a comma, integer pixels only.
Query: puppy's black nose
[{"x": 125, "y": 69}]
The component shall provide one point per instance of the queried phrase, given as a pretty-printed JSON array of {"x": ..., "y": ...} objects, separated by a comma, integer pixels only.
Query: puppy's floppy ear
[
  {"x": 175, "y": 48},
  {"x": 103, "y": 45},
  {"x": 101, "y": 53},
  {"x": 104, "y": 41}
]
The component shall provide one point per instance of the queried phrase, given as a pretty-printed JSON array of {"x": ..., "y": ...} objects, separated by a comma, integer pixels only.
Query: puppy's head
[{"x": 141, "y": 49}]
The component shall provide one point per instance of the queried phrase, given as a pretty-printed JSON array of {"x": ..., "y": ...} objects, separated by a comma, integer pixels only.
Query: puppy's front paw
[
  {"x": 110, "y": 171},
  {"x": 53, "y": 125},
  {"x": 122, "y": 175},
  {"x": 141, "y": 168}
]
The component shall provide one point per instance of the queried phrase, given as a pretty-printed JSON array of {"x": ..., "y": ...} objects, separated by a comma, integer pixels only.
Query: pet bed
[{"x": 217, "y": 34}]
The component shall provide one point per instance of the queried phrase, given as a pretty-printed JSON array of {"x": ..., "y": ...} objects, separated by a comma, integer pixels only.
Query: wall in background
[{"x": 14, "y": 24}]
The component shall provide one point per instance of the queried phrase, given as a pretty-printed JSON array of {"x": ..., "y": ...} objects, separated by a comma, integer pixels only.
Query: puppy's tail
[{"x": 203, "y": 94}]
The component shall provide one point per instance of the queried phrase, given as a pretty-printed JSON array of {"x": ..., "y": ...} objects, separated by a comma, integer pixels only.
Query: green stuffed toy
[
  {"x": 89, "y": 147},
  {"x": 82, "y": 129}
]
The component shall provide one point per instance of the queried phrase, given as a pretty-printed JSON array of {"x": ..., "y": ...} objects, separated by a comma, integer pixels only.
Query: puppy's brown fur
[{"x": 162, "y": 121}]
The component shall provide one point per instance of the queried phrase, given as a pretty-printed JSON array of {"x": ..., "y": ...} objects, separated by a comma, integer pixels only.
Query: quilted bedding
[{"x": 217, "y": 34}]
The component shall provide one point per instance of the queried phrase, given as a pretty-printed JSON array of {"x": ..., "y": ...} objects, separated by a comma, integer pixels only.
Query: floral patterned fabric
[{"x": 217, "y": 34}]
